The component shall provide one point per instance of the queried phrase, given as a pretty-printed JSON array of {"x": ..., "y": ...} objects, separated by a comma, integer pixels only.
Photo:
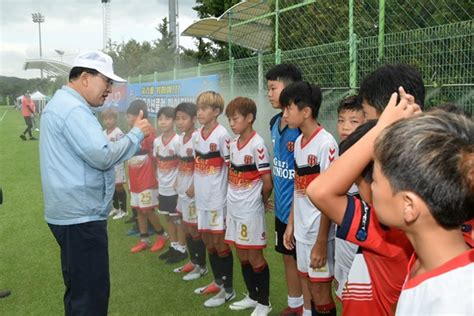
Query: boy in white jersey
[
  {"x": 185, "y": 120},
  {"x": 211, "y": 147},
  {"x": 165, "y": 150},
  {"x": 430, "y": 199},
  {"x": 113, "y": 133},
  {"x": 250, "y": 186},
  {"x": 314, "y": 150}
]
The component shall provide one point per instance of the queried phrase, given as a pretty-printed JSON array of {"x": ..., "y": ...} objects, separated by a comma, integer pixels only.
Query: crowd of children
[{"x": 383, "y": 219}]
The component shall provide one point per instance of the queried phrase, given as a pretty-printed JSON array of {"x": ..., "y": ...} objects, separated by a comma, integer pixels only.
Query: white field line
[{"x": 5, "y": 113}]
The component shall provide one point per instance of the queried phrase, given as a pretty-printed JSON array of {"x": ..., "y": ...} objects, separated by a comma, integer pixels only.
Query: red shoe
[
  {"x": 298, "y": 311},
  {"x": 140, "y": 246},
  {"x": 159, "y": 243},
  {"x": 208, "y": 289}
]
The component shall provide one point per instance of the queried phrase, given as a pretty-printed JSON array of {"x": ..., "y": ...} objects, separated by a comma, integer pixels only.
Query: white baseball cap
[{"x": 99, "y": 61}]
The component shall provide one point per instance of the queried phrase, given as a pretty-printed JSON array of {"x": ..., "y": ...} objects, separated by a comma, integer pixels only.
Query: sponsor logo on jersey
[{"x": 189, "y": 152}]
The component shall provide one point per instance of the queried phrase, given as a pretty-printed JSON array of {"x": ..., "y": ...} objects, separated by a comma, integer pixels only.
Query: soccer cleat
[
  {"x": 4, "y": 293},
  {"x": 23, "y": 137},
  {"x": 186, "y": 268},
  {"x": 290, "y": 311},
  {"x": 139, "y": 246},
  {"x": 159, "y": 243},
  {"x": 177, "y": 256},
  {"x": 196, "y": 273},
  {"x": 261, "y": 310},
  {"x": 244, "y": 303},
  {"x": 165, "y": 255},
  {"x": 113, "y": 212},
  {"x": 120, "y": 214},
  {"x": 33, "y": 138},
  {"x": 208, "y": 289},
  {"x": 220, "y": 299}
]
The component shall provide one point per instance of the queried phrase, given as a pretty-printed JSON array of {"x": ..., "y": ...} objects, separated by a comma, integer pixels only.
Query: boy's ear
[
  {"x": 249, "y": 118},
  {"x": 412, "y": 205},
  {"x": 307, "y": 112}
]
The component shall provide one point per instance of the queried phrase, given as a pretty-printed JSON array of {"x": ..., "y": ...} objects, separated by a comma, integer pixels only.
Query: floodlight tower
[
  {"x": 39, "y": 18},
  {"x": 173, "y": 13},
  {"x": 106, "y": 21}
]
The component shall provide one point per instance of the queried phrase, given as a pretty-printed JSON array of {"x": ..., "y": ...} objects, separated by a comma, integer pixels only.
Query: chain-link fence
[{"x": 336, "y": 43}]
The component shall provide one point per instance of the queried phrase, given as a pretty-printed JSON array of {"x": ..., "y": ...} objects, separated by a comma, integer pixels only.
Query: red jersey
[
  {"x": 378, "y": 271},
  {"x": 142, "y": 166}
]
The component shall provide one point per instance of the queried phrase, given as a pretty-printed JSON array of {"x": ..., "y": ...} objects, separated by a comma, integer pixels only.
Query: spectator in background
[{"x": 27, "y": 109}]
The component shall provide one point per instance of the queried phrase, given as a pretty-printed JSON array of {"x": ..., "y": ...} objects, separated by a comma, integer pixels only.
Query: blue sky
[{"x": 74, "y": 26}]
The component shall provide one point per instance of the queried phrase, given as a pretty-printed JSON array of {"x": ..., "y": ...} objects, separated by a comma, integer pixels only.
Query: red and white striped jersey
[
  {"x": 141, "y": 167},
  {"x": 210, "y": 169},
  {"x": 248, "y": 162},
  {"x": 311, "y": 158},
  {"x": 186, "y": 164},
  {"x": 166, "y": 153}
]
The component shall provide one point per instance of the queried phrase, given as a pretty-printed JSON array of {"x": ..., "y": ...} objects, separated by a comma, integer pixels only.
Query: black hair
[
  {"x": 286, "y": 73},
  {"x": 353, "y": 138},
  {"x": 302, "y": 94},
  {"x": 378, "y": 86},
  {"x": 167, "y": 111},
  {"x": 452, "y": 108},
  {"x": 432, "y": 155},
  {"x": 135, "y": 107},
  {"x": 77, "y": 71},
  {"x": 186, "y": 107},
  {"x": 350, "y": 103}
]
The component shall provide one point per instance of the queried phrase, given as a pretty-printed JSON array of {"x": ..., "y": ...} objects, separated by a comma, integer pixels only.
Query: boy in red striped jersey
[{"x": 250, "y": 186}]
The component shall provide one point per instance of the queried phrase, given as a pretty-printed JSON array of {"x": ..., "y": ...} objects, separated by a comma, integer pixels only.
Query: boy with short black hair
[
  {"x": 377, "y": 272},
  {"x": 210, "y": 186},
  {"x": 165, "y": 150},
  {"x": 430, "y": 201},
  {"x": 315, "y": 149},
  {"x": 114, "y": 133},
  {"x": 185, "y": 120},
  {"x": 377, "y": 87},
  {"x": 350, "y": 115},
  {"x": 283, "y": 139},
  {"x": 143, "y": 185},
  {"x": 250, "y": 185}
]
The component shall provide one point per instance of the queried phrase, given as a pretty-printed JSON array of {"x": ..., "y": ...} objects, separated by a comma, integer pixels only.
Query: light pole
[
  {"x": 39, "y": 18},
  {"x": 60, "y": 53}
]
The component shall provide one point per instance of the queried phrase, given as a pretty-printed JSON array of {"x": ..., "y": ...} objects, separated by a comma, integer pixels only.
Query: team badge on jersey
[
  {"x": 213, "y": 147},
  {"x": 189, "y": 152},
  {"x": 171, "y": 152},
  {"x": 312, "y": 160},
  {"x": 248, "y": 159},
  {"x": 291, "y": 146}
]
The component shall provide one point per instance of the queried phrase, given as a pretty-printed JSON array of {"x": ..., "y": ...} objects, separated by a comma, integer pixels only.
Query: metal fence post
[
  {"x": 277, "y": 34},
  {"x": 352, "y": 49},
  {"x": 381, "y": 39},
  {"x": 199, "y": 70}
]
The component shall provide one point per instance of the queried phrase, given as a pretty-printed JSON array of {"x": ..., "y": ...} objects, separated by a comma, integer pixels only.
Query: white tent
[{"x": 40, "y": 100}]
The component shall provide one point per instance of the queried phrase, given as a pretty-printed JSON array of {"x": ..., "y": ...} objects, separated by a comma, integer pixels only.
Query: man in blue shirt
[
  {"x": 77, "y": 174},
  {"x": 283, "y": 173}
]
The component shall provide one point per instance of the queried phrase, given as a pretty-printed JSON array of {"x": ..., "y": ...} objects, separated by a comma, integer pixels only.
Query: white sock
[
  {"x": 306, "y": 312},
  {"x": 295, "y": 302},
  {"x": 174, "y": 244}
]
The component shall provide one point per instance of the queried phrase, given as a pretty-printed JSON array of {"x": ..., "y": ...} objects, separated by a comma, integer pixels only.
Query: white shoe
[
  {"x": 120, "y": 214},
  {"x": 220, "y": 299},
  {"x": 37, "y": 129},
  {"x": 113, "y": 212},
  {"x": 196, "y": 273},
  {"x": 262, "y": 310},
  {"x": 244, "y": 303}
]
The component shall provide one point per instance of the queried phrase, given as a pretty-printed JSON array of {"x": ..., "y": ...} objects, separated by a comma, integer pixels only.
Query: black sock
[
  {"x": 200, "y": 252},
  {"x": 226, "y": 264},
  {"x": 248, "y": 274},
  {"x": 214, "y": 261},
  {"x": 122, "y": 200},
  {"x": 191, "y": 249},
  {"x": 262, "y": 280},
  {"x": 115, "y": 200}
]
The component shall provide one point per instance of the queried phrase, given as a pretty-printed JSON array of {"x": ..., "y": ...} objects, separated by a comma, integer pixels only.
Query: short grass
[{"x": 29, "y": 255}]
